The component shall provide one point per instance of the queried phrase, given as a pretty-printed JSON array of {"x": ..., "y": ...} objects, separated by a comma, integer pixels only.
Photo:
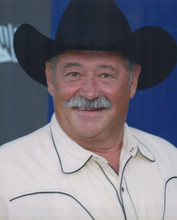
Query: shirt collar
[
  {"x": 73, "y": 157},
  {"x": 134, "y": 142},
  {"x": 143, "y": 149}
]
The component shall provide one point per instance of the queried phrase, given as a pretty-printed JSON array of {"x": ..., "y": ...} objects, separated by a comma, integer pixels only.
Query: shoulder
[
  {"x": 15, "y": 154},
  {"x": 26, "y": 162},
  {"x": 24, "y": 142},
  {"x": 153, "y": 140}
]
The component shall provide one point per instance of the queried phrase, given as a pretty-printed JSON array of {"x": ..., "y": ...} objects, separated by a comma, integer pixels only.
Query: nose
[{"x": 90, "y": 89}]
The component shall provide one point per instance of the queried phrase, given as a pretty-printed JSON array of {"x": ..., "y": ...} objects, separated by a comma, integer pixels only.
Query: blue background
[{"x": 153, "y": 110}]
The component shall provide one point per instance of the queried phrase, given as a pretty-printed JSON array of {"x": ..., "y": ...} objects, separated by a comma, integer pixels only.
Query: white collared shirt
[{"x": 46, "y": 175}]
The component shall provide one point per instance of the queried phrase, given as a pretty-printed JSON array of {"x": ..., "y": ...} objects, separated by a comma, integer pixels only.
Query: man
[{"x": 88, "y": 163}]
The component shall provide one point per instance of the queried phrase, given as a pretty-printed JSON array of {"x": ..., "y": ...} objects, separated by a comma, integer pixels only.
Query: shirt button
[
  {"x": 122, "y": 189},
  {"x": 131, "y": 149}
]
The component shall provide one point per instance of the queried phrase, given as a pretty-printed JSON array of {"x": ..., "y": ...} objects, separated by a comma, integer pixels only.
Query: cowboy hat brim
[{"x": 151, "y": 47}]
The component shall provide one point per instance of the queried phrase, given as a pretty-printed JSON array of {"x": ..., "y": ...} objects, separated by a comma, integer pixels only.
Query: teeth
[
  {"x": 86, "y": 109},
  {"x": 89, "y": 109}
]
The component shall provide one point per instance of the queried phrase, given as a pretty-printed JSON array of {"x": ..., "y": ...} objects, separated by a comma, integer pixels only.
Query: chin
[{"x": 87, "y": 132}]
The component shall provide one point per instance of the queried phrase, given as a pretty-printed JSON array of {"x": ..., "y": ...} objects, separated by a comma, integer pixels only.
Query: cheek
[
  {"x": 119, "y": 96},
  {"x": 64, "y": 91},
  {"x": 112, "y": 91}
]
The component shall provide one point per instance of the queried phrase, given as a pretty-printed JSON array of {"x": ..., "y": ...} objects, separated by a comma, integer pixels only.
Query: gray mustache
[{"x": 82, "y": 102}]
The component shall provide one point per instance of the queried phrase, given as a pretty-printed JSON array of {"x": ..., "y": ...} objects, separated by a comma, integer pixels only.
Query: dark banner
[{"x": 23, "y": 102}]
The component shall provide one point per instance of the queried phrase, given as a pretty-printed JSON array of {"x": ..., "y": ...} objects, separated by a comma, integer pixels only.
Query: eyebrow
[
  {"x": 103, "y": 66},
  {"x": 107, "y": 67},
  {"x": 67, "y": 65}
]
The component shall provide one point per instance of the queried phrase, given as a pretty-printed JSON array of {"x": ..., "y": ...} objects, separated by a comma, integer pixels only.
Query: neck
[
  {"x": 108, "y": 148},
  {"x": 112, "y": 155}
]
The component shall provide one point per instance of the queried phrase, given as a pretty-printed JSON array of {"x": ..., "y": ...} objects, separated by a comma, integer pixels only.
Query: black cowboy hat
[{"x": 98, "y": 25}]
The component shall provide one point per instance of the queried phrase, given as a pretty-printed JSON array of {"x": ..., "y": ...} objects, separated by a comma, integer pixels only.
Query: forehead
[{"x": 88, "y": 56}]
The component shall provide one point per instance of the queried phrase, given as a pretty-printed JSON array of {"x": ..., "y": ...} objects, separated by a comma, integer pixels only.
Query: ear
[
  {"x": 134, "y": 82},
  {"x": 49, "y": 78}
]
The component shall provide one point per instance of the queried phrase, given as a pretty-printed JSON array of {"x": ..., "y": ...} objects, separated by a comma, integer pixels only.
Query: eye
[
  {"x": 73, "y": 74},
  {"x": 106, "y": 75}
]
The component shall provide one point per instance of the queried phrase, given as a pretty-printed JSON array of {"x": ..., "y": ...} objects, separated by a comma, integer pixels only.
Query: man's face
[{"x": 91, "y": 74}]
